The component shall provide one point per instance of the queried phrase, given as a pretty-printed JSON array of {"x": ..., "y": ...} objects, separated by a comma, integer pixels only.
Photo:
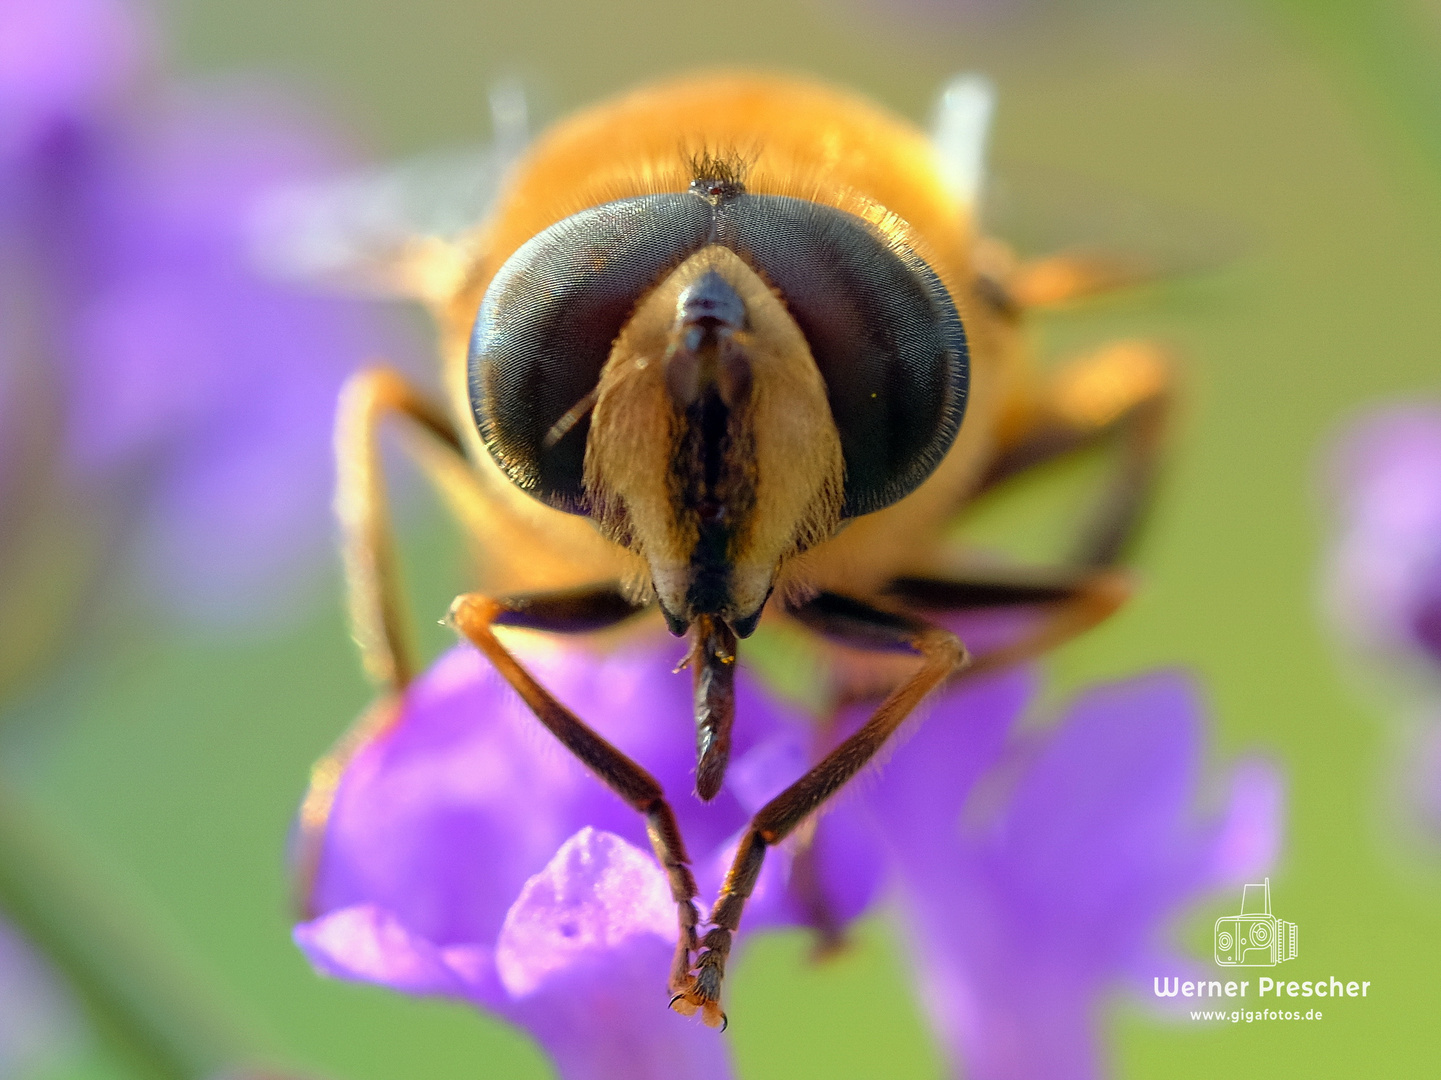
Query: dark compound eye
[
  {"x": 547, "y": 325},
  {"x": 881, "y": 327}
]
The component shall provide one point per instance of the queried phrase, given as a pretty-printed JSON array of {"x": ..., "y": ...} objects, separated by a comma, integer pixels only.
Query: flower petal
[
  {"x": 61, "y": 61},
  {"x": 1021, "y": 925},
  {"x": 1248, "y": 841},
  {"x": 445, "y": 815},
  {"x": 596, "y": 893},
  {"x": 1384, "y": 579},
  {"x": 584, "y": 953},
  {"x": 1095, "y": 820},
  {"x": 367, "y": 943},
  {"x": 960, "y": 737}
]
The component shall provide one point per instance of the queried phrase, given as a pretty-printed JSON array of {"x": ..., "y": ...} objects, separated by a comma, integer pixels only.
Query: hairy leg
[
  {"x": 1122, "y": 394},
  {"x": 474, "y": 616},
  {"x": 377, "y": 603},
  {"x": 1011, "y": 285},
  {"x": 940, "y": 653},
  {"x": 1071, "y": 603},
  {"x": 376, "y": 599},
  {"x": 1068, "y": 602}
]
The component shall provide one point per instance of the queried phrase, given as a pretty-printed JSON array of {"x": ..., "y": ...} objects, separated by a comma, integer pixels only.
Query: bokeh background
[{"x": 1285, "y": 153}]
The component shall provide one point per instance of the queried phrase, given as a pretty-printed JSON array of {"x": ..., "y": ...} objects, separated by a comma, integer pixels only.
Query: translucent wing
[
  {"x": 959, "y": 132},
  {"x": 1065, "y": 237},
  {"x": 396, "y": 230}
]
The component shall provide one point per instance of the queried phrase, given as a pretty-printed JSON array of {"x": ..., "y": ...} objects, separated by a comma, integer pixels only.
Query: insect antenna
[{"x": 573, "y": 415}]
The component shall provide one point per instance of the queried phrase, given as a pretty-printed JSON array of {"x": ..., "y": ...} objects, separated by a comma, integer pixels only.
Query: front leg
[
  {"x": 566, "y": 611},
  {"x": 474, "y": 616},
  {"x": 1068, "y": 602},
  {"x": 940, "y": 653}
]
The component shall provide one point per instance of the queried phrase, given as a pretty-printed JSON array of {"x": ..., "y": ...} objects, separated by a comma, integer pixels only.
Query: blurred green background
[{"x": 1296, "y": 145}]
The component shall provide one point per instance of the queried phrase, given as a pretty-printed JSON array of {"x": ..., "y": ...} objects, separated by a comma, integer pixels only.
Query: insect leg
[
  {"x": 1072, "y": 600},
  {"x": 1076, "y": 601},
  {"x": 1011, "y": 285},
  {"x": 940, "y": 653},
  {"x": 474, "y": 616},
  {"x": 1067, "y": 277},
  {"x": 377, "y": 604},
  {"x": 568, "y": 611},
  {"x": 563, "y": 611},
  {"x": 1121, "y": 393}
]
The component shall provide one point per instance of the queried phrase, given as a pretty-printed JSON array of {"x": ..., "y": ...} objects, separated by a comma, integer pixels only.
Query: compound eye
[
  {"x": 882, "y": 328},
  {"x": 546, "y": 328}
]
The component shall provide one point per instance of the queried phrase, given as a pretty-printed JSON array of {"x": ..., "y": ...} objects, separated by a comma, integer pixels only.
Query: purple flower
[
  {"x": 1029, "y": 899},
  {"x": 1384, "y": 579},
  {"x": 147, "y": 366},
  {"x": 462, "y": 852},
  {"x": 465, "y": 853},
  {"x": 574, "y": 961},
  {"x": 62, "y": 63}
]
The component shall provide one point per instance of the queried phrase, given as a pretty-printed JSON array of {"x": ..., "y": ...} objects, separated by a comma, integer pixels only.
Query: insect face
[
  {"x": 712, "y": 450},
  {"x": 718, "y": 379}
]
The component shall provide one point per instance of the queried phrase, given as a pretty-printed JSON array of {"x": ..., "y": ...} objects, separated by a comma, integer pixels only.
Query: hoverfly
[{"x": 731, "y": 348}]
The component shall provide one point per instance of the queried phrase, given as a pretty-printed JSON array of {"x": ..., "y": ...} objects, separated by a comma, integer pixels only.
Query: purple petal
[
  {"x": 62, "y": 61},
  {"x": 998, "y": 1008},
  {"x": 928, "y": 778},
  {"x": 584, "y": 954},
  {"x": 957, "y": 739},
  {"x": 1384, "y": 581},
  {"x": 221, "y": 383},
  {"x": 194, "y": 397},
  {"x": 366, "y": 943},
  {"x": 596, "y": 894},
  {"x": 581, "y": 963},
  {"x": 843, "y": 874},
  {"x": 763, "y": 773},
  {"x": 41, "y": 1025},
  {"x": 1020, "y": 926},
  {"x": 1425, "y": 622},
  {"x": 1097, "y": 815},
  {"x": 445, "y": 816},
  {"x": 1248, "y": 840},
  {"x": 755, "y": 777}
]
